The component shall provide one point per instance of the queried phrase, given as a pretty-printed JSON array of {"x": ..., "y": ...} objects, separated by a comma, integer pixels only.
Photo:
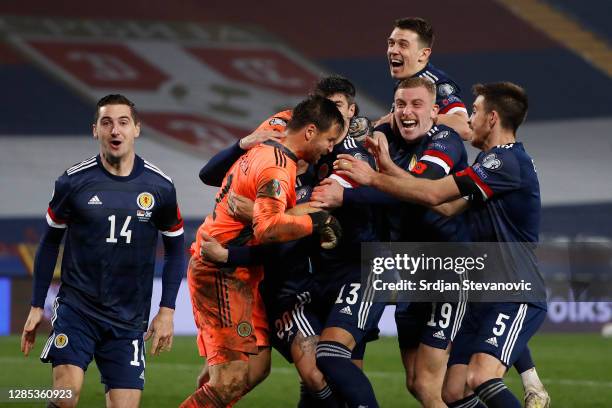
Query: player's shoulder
[
  {"x": 444, "y": 138},
  {"x": 501, "y": 158},
  {"x": 272, "y": 154},
  {"x": 279, "y": 120},
  {"x": 445, "y": 85},
  {"x": 81, "y": 167},
  {"x": 157, "y": 174},
  {"x": 443, "y": 133}
]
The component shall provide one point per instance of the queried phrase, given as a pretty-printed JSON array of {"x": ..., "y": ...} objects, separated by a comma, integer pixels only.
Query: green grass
[{"x": 577, "y": 370}]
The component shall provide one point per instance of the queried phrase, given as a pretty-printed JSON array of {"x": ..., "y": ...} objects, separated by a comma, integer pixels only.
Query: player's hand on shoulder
[
  {"x": 260, "y": 136},
  {"x": 161, "y": 331},
  {"x": 328, "y": 194},
  {"x": 240, "y": 207},
  {"x": 28, "y": 337},
  {"x": 328, "y": 228},
  {"x": 211, "y": 250}
]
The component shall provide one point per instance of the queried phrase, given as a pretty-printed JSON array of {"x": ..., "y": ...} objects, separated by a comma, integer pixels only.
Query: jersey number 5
[{"x": 125, "y": 232}]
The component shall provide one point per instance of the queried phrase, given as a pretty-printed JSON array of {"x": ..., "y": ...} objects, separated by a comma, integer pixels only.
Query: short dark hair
[
  {"x": 116, "y": 99},
  {"x": 420, "y": 26},
  {"x": 317, "y": 110},
  {"x": 333, "y": 84},
  {"x": 507, "y": 99},
  {"x": 416, "y": 82}
]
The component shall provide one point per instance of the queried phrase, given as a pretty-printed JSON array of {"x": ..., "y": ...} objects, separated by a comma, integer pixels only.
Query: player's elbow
[
  {"x": 433, "y": 198},
  {"x": 204, "y": 176}
]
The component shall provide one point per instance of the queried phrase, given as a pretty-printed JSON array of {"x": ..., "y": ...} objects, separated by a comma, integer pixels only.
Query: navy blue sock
[
  {"x": 524, "y": 362},
  {"x": 495, "y": 394},
  {"x": 306, "y": 399},
  {"x": 334, "y": 360},
  {"x": 468, "y": 402},
  {"x": 323, "y": 398}
]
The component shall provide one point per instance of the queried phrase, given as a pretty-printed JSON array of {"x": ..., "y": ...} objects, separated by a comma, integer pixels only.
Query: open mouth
[
  {"x": 396, "y": 63},
  {"x": 115, "y": 143},
  {"x": 409, "y": 124}
]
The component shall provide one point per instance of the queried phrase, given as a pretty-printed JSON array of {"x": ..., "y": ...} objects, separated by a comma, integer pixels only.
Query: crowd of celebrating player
[{"x": 277, "y": 263}]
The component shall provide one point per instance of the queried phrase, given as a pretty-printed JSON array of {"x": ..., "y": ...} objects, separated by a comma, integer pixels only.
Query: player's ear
[
  {"x": 424, "y": 54},
  {"x": 94, "y": 131},
  {"x": 351, "y": 110},
  {"x": 435, "y": 109},
  {"x": 310, "y": 131},
  {"x": 137, "y": 130},
  {"x": 493, "y": 118}
]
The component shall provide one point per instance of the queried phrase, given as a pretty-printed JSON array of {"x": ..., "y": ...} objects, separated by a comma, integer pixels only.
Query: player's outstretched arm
[
  {"x": 407, "y": 188},
  {"x": 28, "y": 337},
  {"x": 44, "y": 265},
  {"x": 452, "y": 208},
  {"x": 161, "y": 331}
]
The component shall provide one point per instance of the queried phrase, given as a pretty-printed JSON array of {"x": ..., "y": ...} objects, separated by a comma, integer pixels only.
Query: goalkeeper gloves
[{"x": 328, "y": 228}]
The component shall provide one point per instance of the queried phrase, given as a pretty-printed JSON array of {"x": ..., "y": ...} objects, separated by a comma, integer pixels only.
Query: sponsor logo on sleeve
[
  {"x": 442, "y": 135},
  {"x": 479, "y": 171},
  {"x": 271, "y": 189},
  {"x": 445, "y": 89},
  {"x": 278, "y": 122},
  {"x": 491, "y": 162}
]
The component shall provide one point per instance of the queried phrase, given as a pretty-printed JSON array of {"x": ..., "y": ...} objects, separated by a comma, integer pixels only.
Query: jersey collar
[
  {"x": 283, "y": 149},
  {"x": 136, "y": 170}
]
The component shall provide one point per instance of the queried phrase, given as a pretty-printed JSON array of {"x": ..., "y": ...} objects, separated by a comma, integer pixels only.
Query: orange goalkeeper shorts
[{"x": 228, "y": 311}]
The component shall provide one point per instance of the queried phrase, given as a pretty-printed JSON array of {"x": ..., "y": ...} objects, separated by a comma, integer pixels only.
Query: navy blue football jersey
[
  {"x": 506, "y": 206},
  {"x": 112, "y": 229},
  {"x": 448, "y": 93},
  {"x": 439, "y": 153},
  {"x": 509, "y": 209},
  {"x": 357, "y": 220}
]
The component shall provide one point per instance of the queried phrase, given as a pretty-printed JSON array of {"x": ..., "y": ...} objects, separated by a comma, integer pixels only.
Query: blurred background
[{"x": 203, "y": 75}]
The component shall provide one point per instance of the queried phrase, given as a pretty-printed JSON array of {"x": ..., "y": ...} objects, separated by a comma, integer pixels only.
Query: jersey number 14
[{"x": 125, "y": 232}]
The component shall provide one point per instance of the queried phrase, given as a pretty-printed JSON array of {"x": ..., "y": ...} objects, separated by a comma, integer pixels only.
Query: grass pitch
[{"x": 576, "y": 369}]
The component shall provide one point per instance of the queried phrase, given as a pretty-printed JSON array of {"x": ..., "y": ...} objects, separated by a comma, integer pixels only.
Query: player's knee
[
  {"x": 452, "y": 394},
  {"x": 421, "y": 388},
  {"x": 475, "y": 377},
  {"x": 230, "y": 385}
]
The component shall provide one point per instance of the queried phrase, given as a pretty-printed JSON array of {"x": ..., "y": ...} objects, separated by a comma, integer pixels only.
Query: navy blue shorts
[
  {"x": 354, "y": 308},
  {"x": 430, "y": 323},
  {"x": 76, "y": 339},
  {"x": 499, "y": 329},
  {"x": 290, "y": 315}
]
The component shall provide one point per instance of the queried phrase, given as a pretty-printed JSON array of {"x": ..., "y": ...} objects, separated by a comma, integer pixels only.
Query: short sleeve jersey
[{"x": 112, "y": 227}]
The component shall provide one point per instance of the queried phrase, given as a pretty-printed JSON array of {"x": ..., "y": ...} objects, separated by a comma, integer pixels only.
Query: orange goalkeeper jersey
[
  {"x": 277, "y": 122},
  {"x": 265, "y": 174}
]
